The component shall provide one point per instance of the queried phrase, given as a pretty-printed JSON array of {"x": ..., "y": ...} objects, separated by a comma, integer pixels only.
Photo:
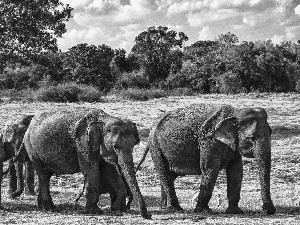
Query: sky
[{"x": 117, "y": 22}]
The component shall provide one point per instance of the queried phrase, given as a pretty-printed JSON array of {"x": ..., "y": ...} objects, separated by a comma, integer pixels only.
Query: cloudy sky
[{"x": 117, "y": 22}]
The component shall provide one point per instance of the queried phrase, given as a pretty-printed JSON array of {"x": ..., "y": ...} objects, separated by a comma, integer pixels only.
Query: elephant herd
[{"x": 200, "y": 139}]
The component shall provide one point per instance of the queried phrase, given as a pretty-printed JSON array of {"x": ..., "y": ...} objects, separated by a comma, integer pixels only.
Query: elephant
[
  {"x": 6, "y": 153},
  {"x": 13, "y": 132},
  {"x": 202, "y": 139},
  {"x": 66, "y": 142},
  {"x": 108, "y": 172}
]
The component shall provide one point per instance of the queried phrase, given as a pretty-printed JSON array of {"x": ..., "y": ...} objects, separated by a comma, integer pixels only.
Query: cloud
[
  {"x": 289, "y": 34},
  {"x": 183, "y": 7},
  {"x": 297, "y": 10},
  {"x": 293, "y": 33},
  {"x": 76, "y": 4},
  {"x": 76, "y": 36},
  {"x": 210, "y": 16},
  {"x": 221, "y": 4},
  {"x": 277, "y": 39},
  {"x": 103, "y": 7},
  {"x": 205, "y": 33}
]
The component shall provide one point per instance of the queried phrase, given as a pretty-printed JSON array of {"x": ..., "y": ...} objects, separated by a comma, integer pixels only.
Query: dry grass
[{"x": 283, "y": 110}]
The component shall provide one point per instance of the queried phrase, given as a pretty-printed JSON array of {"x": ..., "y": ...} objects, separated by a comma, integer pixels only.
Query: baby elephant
[{"x": 203, "y": 139}]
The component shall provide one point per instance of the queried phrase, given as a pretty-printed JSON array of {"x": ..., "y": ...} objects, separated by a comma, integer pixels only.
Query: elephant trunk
[
  {"x": 262, "y": 153},
  {"x": 127, "y": 166}
]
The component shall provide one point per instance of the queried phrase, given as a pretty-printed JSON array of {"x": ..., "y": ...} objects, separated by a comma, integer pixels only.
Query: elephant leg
[
  {"x": 44, "y": 200},
  {"x": 12, "y": 181},
  {"x": 117, "y": 186},
  {"x": 163, "y": 198},
  {"x": 91, "y": 175},
  {"x": 210, "y": 164},
  {"x": 20, "y": 180},
  {"x": 29, "y": 178},
  {"x": 169, "y": 199},
  {"x": 1, "y": 172},
  {"x": 234, "y": 173}
]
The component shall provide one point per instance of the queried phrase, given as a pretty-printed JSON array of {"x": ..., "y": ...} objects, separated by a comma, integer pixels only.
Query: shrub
[
  {"x": 90, "y": 95},
  {"x": 182, "y": 92},
  {"x": 156, "y": 93},
  {"x": 68, "y": 92},
  {"x": 138, "y": 94},
  {"x": 230, "y": 83},
  {"x": 135, "y": 79}
]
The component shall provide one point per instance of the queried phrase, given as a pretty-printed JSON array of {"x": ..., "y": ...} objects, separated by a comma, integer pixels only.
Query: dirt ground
[{"x": 283, "y": 111}]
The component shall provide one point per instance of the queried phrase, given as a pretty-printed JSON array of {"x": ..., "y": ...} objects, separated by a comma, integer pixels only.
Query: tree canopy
[
  {"x": 29, "y": 27},
  {"x": 159, "y": 50}
]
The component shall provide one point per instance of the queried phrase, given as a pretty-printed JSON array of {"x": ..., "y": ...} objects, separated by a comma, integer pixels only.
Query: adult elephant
[
  {"x": 203, "y": 139},
  {"x": 56, "y": 142},
  {"x": 13, "y": 132}
]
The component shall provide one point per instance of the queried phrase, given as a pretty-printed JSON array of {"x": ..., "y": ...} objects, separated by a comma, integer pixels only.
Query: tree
[
  {"x": 157, "y": 49},
  {"x": 29, "y": 27},
  {"x": 90, "y": 64}
]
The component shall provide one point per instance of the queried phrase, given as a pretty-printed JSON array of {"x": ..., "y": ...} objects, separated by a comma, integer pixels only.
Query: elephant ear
[
  {"x": 248, "y": 128},
  {"x": 95, "y": 135},
  {"x": 224, "y": 130}
]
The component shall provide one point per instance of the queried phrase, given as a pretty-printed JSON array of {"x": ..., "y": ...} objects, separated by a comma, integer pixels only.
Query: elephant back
[{"x": 50, "y": 137}]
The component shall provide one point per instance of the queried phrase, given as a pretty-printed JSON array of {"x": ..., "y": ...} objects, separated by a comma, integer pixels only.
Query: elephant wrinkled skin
[
  {"x": 67, "y": 142},
  {"x": 13, "y": 132},
  {"x": 203, "y": 139}
]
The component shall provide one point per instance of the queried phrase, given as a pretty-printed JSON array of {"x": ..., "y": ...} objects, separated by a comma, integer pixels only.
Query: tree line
[{"x": 159, "y": 57}]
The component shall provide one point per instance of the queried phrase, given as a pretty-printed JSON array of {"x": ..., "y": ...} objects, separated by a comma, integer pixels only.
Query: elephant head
[
  {"x": 115, "y": 138},
  {"x": 255, "y": 141}
]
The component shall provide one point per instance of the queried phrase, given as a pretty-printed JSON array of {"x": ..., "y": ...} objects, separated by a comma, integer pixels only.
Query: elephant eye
[{"x": 114, "y": 130}]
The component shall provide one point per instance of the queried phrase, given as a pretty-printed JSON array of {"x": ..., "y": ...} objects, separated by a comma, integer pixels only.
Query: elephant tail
[
  {"x": 20, "y": 157},
  {"x": 143, "y": 158}
]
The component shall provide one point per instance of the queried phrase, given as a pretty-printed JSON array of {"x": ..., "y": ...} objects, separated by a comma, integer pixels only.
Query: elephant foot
[
  {"x": 202, "y": 210},
  {"x": 117, "y": 213},
  {"x": 15, "y": 194},
  {"x": 93, "y": 210},
  {"x": 2, "y": 207},
  {"x": 146, "y": 215},
  {"x": 30, "y": 193},
  {"x": 234, "y": 210},
  {"x": 46, "y": 205},
  {"x": 269, "y": 208},
  {"x": 174, "y": 208}
]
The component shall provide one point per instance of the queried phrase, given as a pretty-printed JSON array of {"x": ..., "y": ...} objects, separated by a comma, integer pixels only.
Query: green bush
[
  {"x": 90, "y": 95},
  {"x": 137, "y": 94},
  {"x": 182, "y": 92},
  {"x": 68, "y": 92},
  {"x": 156, "y": 93},
  {"x": 135, "y": 79},
  {"x": 230, "y": 83}
]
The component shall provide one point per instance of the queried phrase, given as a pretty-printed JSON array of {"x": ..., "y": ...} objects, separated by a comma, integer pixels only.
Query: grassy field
[{"x": 283, "y": 111}]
